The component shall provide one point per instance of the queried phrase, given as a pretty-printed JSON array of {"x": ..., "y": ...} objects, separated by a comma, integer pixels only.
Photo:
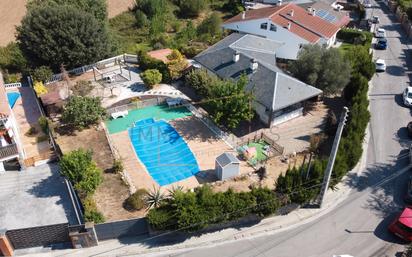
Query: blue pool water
[
  {"x": 163, "y": 151},
  {"x": 12, "y": 98}
]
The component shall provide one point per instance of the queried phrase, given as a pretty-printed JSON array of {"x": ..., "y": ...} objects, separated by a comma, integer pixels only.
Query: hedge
[
  {"x": 354, "y": 36},
  {"x": 191, "y": 211}
]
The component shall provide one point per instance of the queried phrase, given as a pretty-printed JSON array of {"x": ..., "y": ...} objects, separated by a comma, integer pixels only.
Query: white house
[
  {"x": 278, "y": 97},
  {"x": 288, "y": 23}
]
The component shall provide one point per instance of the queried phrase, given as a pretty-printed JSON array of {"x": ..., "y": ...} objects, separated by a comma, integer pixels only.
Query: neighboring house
[
  {"x": 10, "y": 144},
  {"x": 278, "y": 96},
  {"x": 287, "y": 23}
]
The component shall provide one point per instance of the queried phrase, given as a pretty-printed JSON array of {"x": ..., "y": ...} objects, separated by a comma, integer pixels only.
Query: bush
[
  {"x": 82, "y": 112},
  {"x": 136, "y": 200},
  {"x": 39, "y": 88},
  {"x": 192, "y": 211},
  {"x": 141, "y": 19},
  {"x": 361, "y": 61},
  {"x": 177, "y": 64},
  {"x": 12, "y": 58},
  {"x": 352, "y": 35},
  {"x": 151, "y": 77},
  {"x": 43, "y": 73},
  {"x": 78, "y": 167},
  {"x": 91, "y": 214},
  {"x": 44, "y": 124},
  {"x": 211, "y": 26},
  {"x": 82, "y": 88},
  {"x": 117, "y": 166},
  {"x": 12, "y": 78},
  {"x": 192, "y": 8},
  {"x": 31, "y": 132},
  {"x": 146, "y": 62}
]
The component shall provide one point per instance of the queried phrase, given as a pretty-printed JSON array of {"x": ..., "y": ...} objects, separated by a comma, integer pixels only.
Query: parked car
[
  {"x": 407, "y": 96},
  {"x": 380, "y": 32},
  {"x": 402, "y": 225},
  {"x": 375, "y": 19},
  {"x": 380, "y": 65},
  {"x": 408, "y": 196},
  {"x": 409, "y": 128},
  {"x": 382, "y": 43}
]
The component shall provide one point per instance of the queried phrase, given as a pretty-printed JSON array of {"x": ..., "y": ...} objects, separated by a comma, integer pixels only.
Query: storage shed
[{"x": 227, "y": 166}]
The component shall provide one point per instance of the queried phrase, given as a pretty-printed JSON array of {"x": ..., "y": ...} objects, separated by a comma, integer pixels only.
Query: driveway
[{"x": 34, "y": 197}]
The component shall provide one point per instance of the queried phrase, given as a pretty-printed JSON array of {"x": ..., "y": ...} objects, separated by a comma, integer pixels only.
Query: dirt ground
[
  {"x": 116, "y": 7},
  {"x": 12, "y": 11},
  {"x": 274, "y": 168},
  {"x": 111, "y": 194}
]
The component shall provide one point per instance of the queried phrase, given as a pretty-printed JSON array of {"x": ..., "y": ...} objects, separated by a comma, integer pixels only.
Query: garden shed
[{"x": 227, "y": 166}]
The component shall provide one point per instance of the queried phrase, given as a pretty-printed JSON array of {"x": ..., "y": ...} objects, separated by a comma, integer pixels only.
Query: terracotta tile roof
[
  {"x": 4, "y": 103},
  {"x": 255, "y": 14},
  {"x": 160, "y": 54},
  {"x": 302, "y": 23}
]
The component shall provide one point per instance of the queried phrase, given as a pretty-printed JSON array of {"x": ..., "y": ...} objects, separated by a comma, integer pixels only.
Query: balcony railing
[{"x": 8, "y": 151}]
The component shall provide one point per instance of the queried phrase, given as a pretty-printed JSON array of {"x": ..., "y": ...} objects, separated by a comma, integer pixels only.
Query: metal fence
[
  {"x": 137, "y": 104},
  {"x": 13, "y": 85},
  {"x": 127, "y": 58},
  {"x": 39, "y": 236},
  {"x": 125, "y": 228}
]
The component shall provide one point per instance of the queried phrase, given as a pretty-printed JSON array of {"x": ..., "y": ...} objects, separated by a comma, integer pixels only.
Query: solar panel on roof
[{"x": 325, "y": 15}]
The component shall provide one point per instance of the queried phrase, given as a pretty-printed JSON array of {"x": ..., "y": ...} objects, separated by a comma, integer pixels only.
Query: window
[
  {"x": 272, "y": 27},
  {"x": 264, "y": 25}
]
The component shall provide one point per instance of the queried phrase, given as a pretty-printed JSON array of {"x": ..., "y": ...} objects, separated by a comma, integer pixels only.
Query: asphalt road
[{"x": 358, "y": 226}]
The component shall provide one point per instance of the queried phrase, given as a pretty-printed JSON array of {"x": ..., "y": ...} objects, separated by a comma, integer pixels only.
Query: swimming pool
[
  {"x": 12, "y": 98},
  {"x": 163, "y": 151}
]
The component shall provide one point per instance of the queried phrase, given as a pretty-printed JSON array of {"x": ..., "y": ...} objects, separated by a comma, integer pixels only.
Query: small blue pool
[
  {"x": 163, "y": 151},
  {"x": 12, "y": 98}
]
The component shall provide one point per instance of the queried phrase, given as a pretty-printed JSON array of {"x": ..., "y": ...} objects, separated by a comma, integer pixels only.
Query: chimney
[
  {"x": 253, "y": 65},
  {"x": 291, "y": 13},
  {"x": 236, "y": 57},
  {"x": 313, "y": 12},
  {"x": 279, "y": 2},
  {"x": 289, "y": 25},
  {"x": 243, "y": 15}
]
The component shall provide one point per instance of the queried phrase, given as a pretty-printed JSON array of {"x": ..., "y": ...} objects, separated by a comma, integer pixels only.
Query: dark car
[
  {"x": 409, "y": 127},
  {"x": 408, "y": 196},
  {"x": 382, "y": 44}
]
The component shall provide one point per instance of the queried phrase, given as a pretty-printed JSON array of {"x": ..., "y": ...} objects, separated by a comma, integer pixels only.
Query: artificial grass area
[
  {"x": 156, "y": 112},
  {"x": 260, "y": 156}
]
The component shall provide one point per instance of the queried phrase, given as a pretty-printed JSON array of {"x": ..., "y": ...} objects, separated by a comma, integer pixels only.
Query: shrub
[
  {"x": 12, "y": 58},
  {"x": 137, "y": 200},
  {"x": 117, "y": 166},
  {"x": 200, "y": 81},
  {"x": 82, "y": 112},
  {"x": 192, "y": 8},
  {"x": 91, "y": 214},
  {"x": 44, "y": 124},
  {"x": 43, "y": 73},
  {"x": 161, "y": 218},
  {"x": 267, "y": 202},
  {"x": 177, "y": 64},
  {"x": 82, "y": 88},
  {"x": 141, "y": 19},
  {"x": 78, "y": 167},
  {"x": 39, "y": 88},
  {"x": 361, "y": 61},
  {"x": 211, "y": 26},
  {"x": 12, "y": 78},
  {"x": 151, "y": 77},
  {"x": 32, "y": 131},
  {"x": 146, "y": 62}
]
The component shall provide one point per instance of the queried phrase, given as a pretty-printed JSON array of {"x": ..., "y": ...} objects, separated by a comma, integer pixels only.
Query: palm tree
[{"x": 154, "y": 198}]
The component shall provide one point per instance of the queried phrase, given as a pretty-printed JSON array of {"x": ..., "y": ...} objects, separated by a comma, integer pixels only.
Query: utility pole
[{"x": 332, "y": 156}]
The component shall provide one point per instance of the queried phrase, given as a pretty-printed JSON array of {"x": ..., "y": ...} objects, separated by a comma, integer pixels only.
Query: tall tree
[
  {"x": 323, "y": 68},
  {"x": 52, "y": 35},
  {"x": 81, "y": 112},
  {"x": 228, "y": 102},
  {"x": 98, "y": 8}
]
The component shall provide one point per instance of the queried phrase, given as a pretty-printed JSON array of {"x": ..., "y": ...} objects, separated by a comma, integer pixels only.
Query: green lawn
[{"x": 157, "y": 112}]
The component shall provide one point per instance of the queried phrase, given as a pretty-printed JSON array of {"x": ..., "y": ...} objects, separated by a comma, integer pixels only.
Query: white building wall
[{"x": 292, "y": 42}]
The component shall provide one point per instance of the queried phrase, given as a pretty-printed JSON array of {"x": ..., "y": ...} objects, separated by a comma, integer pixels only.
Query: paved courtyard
[{"x": 34, "y": 197}]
